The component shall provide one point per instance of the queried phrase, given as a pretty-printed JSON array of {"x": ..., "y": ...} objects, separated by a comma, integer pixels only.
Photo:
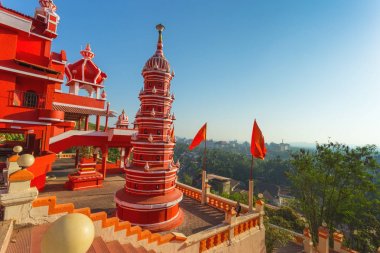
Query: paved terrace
[{"x": 197, "y": 217}]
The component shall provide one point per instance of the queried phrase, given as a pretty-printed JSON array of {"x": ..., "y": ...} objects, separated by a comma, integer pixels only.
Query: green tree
[
  {"x": 336, "y": 184},
  {"x": 275, "y": 238}
]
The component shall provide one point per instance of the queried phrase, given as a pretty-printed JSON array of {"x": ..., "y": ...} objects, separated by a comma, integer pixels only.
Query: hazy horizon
[{"x": 306, "y": 70}]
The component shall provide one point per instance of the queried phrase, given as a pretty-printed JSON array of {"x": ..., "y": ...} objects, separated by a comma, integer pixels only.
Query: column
[
  {"x": 323, "y": 242},
  {"x": 86, "y": 123},
  {"x": 76, "y": 157},
  {"x": 97, "y": 123},
  {"x": 122, "y": 157},
  {"x": 104, "y": 161}
]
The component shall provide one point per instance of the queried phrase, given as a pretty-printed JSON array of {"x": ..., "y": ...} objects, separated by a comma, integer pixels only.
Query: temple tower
[{"x": 150, "y": 198}]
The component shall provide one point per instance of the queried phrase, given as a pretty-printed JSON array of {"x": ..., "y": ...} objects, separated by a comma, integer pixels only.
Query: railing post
[
  {"x": 250, "y": 195},
  {"x": 323, "y": 236},
  {"x": 204, "y": 183}
]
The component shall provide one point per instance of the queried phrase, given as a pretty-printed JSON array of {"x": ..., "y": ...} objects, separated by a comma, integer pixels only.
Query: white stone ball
[
  {"x": 26, "y": 160},
  {"x": 17, "y": 149},
  {"x": 72, "y": 233}
]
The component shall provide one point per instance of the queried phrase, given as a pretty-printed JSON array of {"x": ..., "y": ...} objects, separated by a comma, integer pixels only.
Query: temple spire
[
  {"x": 160, "y": 28},
  {"x": 87, "y": 53}
]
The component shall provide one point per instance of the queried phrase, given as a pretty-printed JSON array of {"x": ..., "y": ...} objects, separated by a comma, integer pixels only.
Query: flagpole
[
  {"x": 250, "y": 190},
  {"x": 204, "y": 174}
]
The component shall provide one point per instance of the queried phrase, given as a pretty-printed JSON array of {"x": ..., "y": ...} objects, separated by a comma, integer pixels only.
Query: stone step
[
  {"x": 98, "y": 246},
  {"x": 115, "y": 247},
  {"x": 131, "y": 249},
  {"x": 6, "y": 228},
  {"x": 20, "y": 241}
]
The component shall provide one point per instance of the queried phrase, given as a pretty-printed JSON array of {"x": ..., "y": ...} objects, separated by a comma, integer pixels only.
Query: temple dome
[
  {"x": 85, "y": 70},
  {"x": 158, "y": 60}
]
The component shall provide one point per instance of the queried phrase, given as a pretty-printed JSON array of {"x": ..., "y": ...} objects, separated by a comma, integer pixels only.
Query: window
[
  {"x": 30, "y": 99},
  {"x": 158, "y": 158},
  {"x": 145, "y": 131},
  {"x": 158, "y": 131}
]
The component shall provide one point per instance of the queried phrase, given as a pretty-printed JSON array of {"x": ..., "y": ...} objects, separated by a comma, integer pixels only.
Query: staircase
[
  {"x": 100, "y": 246},
  {"x": 28, "y": 240}
]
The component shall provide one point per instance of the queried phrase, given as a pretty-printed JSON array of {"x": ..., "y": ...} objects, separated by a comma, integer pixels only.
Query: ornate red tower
[{"x": 150, "y": 198}]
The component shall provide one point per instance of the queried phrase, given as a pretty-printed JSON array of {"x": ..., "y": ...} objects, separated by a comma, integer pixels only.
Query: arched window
[{"x": 30, "y": 99}]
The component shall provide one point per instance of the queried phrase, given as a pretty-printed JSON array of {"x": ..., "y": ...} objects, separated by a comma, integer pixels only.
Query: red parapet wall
[
  {"x": 41, "y": 166},
  {"x": 78, "y": 100},
  {"x": 51, "y": 115}
]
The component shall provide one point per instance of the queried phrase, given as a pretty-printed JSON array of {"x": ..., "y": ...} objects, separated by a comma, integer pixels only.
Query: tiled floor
[{"x": 197, "y": 217}]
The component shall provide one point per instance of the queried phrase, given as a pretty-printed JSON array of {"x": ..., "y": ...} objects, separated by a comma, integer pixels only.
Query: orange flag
[
  {"x": 201, "y": 136},
  {"x": 258, "y": 148}
]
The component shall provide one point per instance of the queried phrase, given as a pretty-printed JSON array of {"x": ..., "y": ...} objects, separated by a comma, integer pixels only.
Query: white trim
[
  {"x": 84, "y": 82},
  {"x": 151, "y": 161},
  {"x": 51, "y": 119},
  {"x": 131, "y": 176},
  {"x": 151, "y": 181},
  {"x": 19, "y": 23},
  {"x": 59, "y": 62},
  {"x": 156, "y": 119},
  {"x": 71, "y": 133},
  {"x": 31, "y": 74},
  {"x": 79, "y": 106},
  {"x": 147, "y": 207},
  {"x": 133, "y": 190},
  {"x": 156, "y": 224},
  {"x": 40, "y": 36},
  {"x": 150, "y": 172},
  {"x": 148, "y": 143},
  {"x": 25, "y": 122},
  {"x": 153, "y": 149}
]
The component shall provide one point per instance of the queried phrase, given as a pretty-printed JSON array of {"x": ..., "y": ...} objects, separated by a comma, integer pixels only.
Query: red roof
[{"x": 85, "y": 70}]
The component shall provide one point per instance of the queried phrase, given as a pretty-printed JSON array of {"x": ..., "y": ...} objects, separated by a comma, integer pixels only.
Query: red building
[
  {"x": 150, "y": 198},
  {"x": 31, "y": 76},
  {"x": 50, "y": 120}
]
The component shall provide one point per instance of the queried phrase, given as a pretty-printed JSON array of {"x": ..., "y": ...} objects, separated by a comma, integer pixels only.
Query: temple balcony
[{"x": 76, "y": 100}]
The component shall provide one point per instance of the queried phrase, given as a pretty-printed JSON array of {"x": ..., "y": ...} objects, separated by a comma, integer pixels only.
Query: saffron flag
[
  {"x": 258, "y": 148},
  {"x": 201, "y": 136}
]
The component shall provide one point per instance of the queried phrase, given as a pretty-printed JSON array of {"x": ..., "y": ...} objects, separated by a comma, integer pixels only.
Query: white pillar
[
  {"x": 97, "y": 93},
  {"x": 122, "y": 157},
  {"x": 204, "y": 182},
  {"x": 323, "y": 242},
  {"x": 250, "y": 195}
]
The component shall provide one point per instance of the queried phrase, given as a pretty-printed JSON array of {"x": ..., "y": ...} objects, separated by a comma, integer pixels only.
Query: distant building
[{"x": 222, "y": 184}]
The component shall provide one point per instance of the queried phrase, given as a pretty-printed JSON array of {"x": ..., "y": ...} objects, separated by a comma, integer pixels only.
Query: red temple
[
  {"x": 34, "y": 105},
  {"x": 150, "y": 198},
  {"x": 51, "y": 120}
]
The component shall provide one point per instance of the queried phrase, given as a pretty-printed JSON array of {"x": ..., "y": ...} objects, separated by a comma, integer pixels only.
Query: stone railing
[
  {"x": 226, "y": 232},
  {"x": 46, "y": 209},
  {"x": 232, "y": 227},
  {"x": 213, "y": 200},
  {"x": 189, "y": 191}
]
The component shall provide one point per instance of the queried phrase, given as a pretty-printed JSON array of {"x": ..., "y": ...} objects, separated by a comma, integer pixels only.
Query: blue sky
[{"x": 306, "y": 70}]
